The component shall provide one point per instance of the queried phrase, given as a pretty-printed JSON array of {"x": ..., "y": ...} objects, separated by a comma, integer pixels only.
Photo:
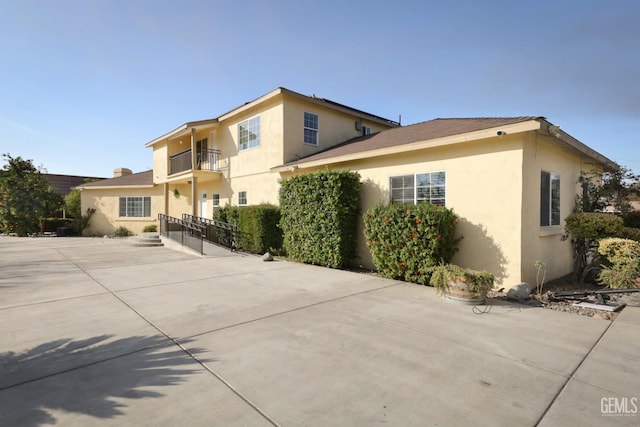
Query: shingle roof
[
  {"x": 135, "y": 179},
  {"x": 424, "y": 131},
  {"x": 65, "y": 183}
]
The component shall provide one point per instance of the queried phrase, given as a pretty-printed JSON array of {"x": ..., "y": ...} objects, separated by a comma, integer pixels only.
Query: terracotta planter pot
[{"x": 458, "y": 291}]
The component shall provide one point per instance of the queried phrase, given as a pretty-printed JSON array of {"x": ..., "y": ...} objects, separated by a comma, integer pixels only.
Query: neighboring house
[
  {"x": 512, "y": 181},
  {"x": 65, "y": 183}
]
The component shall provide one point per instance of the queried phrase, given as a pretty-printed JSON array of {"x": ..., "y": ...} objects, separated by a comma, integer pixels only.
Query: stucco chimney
[{"x": 121, "y": 172}]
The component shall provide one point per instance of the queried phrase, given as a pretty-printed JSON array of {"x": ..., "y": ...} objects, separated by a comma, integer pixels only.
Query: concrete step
[{"x": 146, "y": 240}]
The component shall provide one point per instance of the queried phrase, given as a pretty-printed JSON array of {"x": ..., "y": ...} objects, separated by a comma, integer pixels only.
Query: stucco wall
[
  {"x": 541, "y": 153},
  {"x": 106, "y": 218},
  {"x": 483, "y": 188},
  {"x": 334, "y": 127}
]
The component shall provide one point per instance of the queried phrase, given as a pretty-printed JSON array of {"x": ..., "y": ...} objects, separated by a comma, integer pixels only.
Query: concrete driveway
[{"x": 96, "y": 332}]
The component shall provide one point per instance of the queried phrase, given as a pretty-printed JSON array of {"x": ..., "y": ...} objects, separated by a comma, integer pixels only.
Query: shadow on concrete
[{"x": 89, "y": 377}]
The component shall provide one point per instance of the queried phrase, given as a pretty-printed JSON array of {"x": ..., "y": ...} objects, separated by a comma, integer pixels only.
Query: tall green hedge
[
  {"x": 319, "y": 217},
  {"x": 258, "y": 226},
  {"x": 407, "y": 240}
]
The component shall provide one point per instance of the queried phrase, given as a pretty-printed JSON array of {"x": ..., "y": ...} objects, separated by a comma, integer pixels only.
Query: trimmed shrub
[
  {"x": 632, "y": 219},
  {"x": 319, "y": 217},
  {"x": 227, "y": 214},
  {"x": 259, "y": 228},
  {"x": 122, "y": 231},
  {"x": 151, "y": 228},
  {"x": 621, "y": 262},
  {"x": 585, "y": 230},
  {"x": 406, "y": 241},
  {"x": 630, "y": 233}
]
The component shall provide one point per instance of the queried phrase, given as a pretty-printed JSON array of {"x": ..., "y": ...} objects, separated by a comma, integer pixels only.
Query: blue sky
[{"x": 84, "y": 84}]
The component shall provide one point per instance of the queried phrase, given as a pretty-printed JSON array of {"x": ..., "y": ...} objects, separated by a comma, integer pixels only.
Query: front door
[{"x": 203, "y": 204}]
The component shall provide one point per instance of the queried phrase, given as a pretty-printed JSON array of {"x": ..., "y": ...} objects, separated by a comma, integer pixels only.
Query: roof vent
[{"x": 118, "y": 172}]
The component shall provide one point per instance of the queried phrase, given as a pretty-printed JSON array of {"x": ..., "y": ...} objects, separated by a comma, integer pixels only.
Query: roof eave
[
  {"x": 414, "y": 146},
  {"x": 182, "y": 130}
]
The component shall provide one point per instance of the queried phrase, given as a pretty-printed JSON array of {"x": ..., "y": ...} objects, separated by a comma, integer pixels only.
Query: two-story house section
[{"x": 226, "y": 160}]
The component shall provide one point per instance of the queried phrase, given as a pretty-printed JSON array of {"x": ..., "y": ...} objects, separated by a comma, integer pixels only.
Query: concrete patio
[{"x": 97, "y": 332}]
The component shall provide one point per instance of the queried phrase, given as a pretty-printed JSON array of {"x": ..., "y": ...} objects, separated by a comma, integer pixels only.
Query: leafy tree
[
  {"x": 612, "y": 188},
  {"x": 26, "y": 197}
]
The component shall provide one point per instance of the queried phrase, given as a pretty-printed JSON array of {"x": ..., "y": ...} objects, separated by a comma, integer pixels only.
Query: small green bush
[
  {"x": 585, "y": 230},
  {"x": 319, "y": 216},
  {"x": 151, "y": 228},
  {"x": 406, "y": 241},
  {"x": 479, "y": 282},
  {"x": 621, "y": 262},
  {"x": 259, "y": 228},
  {"x": 122, "y": 231},
  {"x": 630, "y": 233}
]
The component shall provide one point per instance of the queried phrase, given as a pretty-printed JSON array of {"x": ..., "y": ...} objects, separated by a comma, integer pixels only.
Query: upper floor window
[
  {"x": 249, "y": 133},
  {"x": 310, "y": 128},
  {"x": 135, "y": 207},
  {"x": 242, "y": 198},
  {"x": 549, "y": 199},
  {"x": 421, "y": 187},
  {"x": 366, "y": 130}
]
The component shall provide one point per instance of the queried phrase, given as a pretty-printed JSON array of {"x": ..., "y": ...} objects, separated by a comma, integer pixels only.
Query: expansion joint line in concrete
[
  {"x": 181, "y": 347},
  {"x": 571, "y": 375}
]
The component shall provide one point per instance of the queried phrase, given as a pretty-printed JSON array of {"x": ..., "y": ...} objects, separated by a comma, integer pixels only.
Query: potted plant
[{"x": 462, "y": 284}]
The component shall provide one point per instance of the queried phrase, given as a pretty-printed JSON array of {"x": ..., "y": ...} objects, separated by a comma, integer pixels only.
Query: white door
[{"x": 203, "y": 204}]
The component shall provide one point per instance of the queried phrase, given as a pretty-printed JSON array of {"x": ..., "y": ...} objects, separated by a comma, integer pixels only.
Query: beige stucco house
[{"x": 512, "y": 181}]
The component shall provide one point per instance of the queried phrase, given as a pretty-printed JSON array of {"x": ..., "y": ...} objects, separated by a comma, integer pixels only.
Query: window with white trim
[
  {"x": 366, "y": 130},
  {"x": 249, "y": 133},
  {"x": 242, "y": 198},
  {"x": 137, "y": 207},
  {"x": 215, "y": 200},
  {"x": 549, "y": 199},
  {"x": 420, "y": 187},
  {"x": 310, "y": 128}
]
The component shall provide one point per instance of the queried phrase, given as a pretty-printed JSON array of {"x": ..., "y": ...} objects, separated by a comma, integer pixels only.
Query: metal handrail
[
  {"x": 215, "y": 231},
  {"x": 206, "y": 159}
]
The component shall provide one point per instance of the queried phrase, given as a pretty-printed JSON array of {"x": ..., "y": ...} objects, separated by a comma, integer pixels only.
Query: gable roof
[
  {"x": 65, "y": 183},
  {"x": 140, "y": 179},
  {"x": 183, "y": 129},
  {"x": 434, "y": 133}
]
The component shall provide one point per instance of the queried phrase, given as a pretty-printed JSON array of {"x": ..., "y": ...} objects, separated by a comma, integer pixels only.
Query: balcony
[{"x": 206, "y": 160}]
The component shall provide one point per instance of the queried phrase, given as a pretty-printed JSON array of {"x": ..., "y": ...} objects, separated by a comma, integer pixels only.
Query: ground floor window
[
  {"x": 242, "y": 198},
  {"x": 549, "y": 199},
  {"x": 215, "y": 200},
  {"x": 135, "y": 207},
  {"x": 420, "y": 187}
]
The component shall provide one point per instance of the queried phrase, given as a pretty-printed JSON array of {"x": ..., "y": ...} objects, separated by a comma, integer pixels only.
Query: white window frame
[
  {"x": 246, "y": 198},
  {"x": 550, "y": 200},
  {"x": 415, "y": 188},
  {"x": 215, "y": 200},
  {"x": 129, "y": 206},
  {"x": 366, "y": 130},
  {"x": 314, "y": 131},
  {"x": 252, "y": 127}
]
